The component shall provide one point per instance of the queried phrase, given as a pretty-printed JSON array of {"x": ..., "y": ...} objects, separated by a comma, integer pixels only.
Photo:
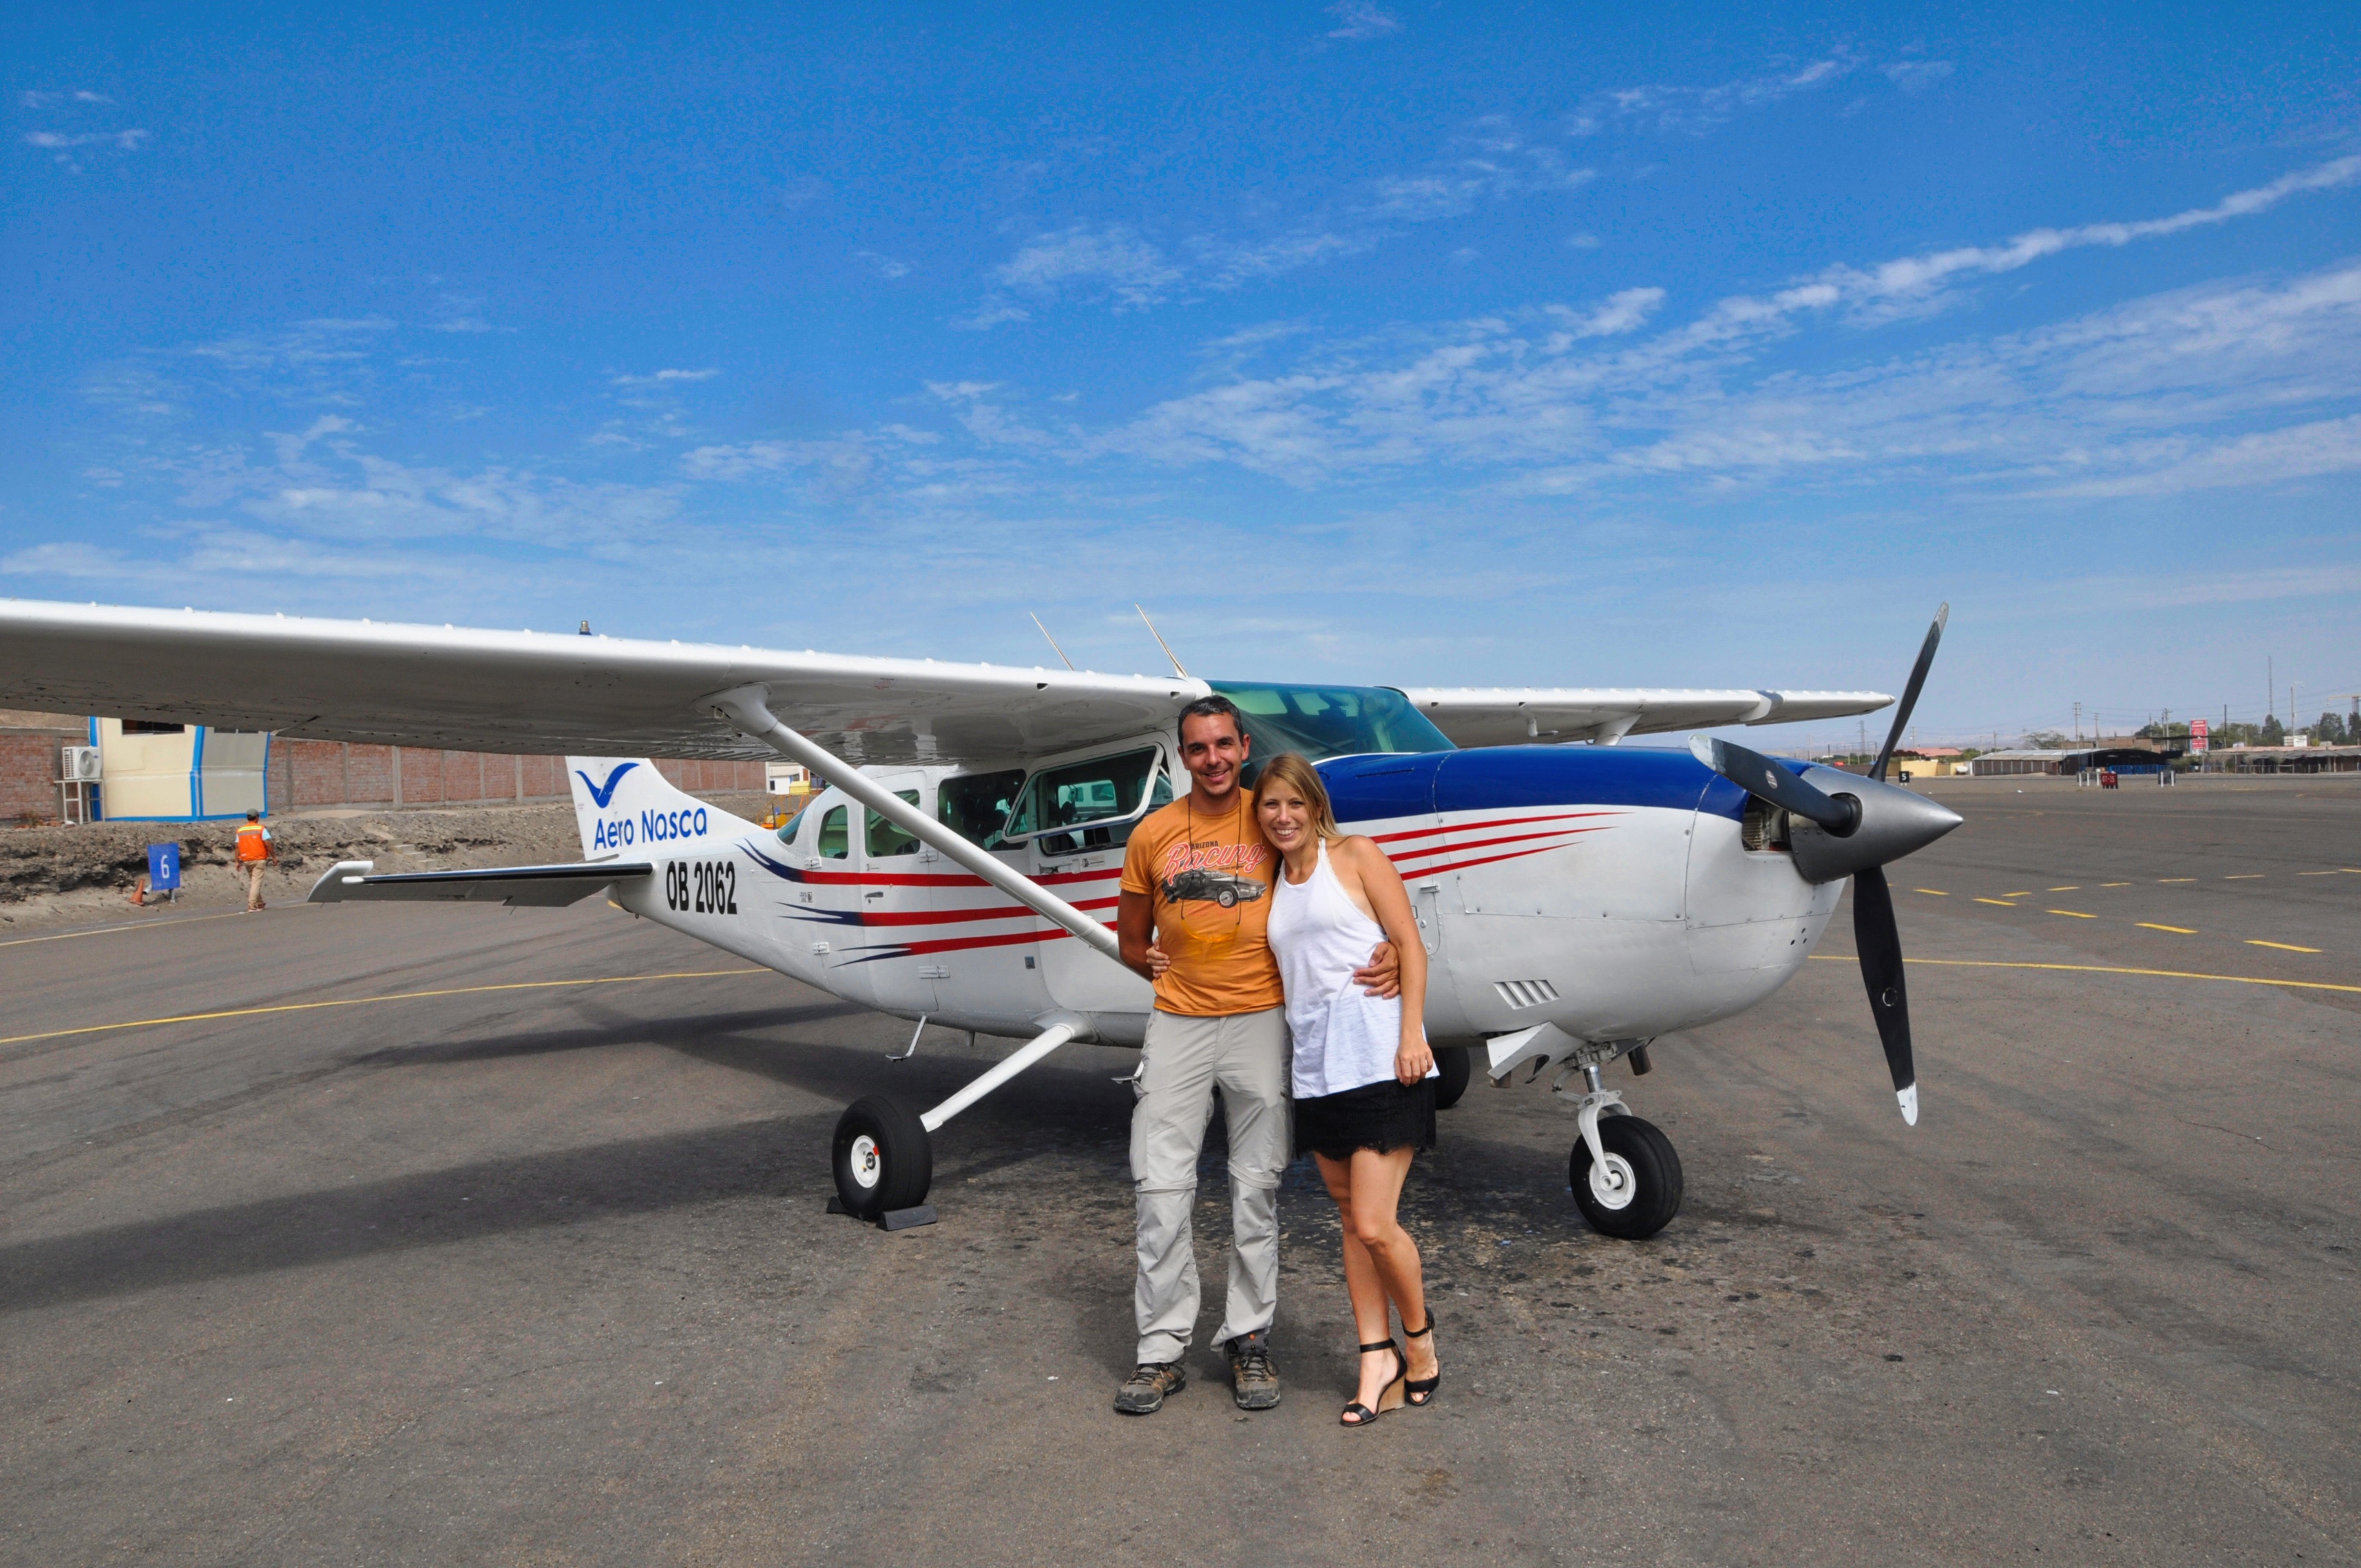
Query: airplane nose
[{"x": 1895, "y": 822}]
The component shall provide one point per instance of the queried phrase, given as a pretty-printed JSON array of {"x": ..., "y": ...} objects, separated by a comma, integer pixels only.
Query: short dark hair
[{"x": 1215, "y": 706}]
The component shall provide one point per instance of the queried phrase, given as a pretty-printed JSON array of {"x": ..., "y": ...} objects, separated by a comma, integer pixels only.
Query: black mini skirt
[{"x": 1379, "y": 1116}]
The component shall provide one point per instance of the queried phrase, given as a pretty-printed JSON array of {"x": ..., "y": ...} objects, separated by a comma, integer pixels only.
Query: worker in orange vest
[{"x": 253, "y": 852}]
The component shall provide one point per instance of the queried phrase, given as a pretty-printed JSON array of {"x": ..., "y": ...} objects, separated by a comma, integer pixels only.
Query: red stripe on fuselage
[
  {"x": 1480, "y": 826},
  {"x": 1488, "y": 843},
  {"x": 953, "y": 916},
  {"x": 920, "y": 879}
]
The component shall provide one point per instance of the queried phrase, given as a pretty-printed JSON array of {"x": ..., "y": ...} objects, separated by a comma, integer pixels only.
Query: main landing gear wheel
[
  {"x": 1454, "y": 1068},
  {"x": 884, "y": 1158},
  {"x": 1638, "y": 1191}
]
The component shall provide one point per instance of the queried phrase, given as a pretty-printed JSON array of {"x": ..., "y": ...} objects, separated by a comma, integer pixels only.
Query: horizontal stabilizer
[{"x": 537, "y": 887}]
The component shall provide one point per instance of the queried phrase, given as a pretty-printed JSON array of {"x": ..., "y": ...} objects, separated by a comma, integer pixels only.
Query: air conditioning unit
[{"x": 81, "y": 764}]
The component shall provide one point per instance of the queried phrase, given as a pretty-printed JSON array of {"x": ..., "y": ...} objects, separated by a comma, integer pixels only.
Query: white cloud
[
  {"x": 663, "y": 378},
  {"x": 1693, "y": 111},
  {"x": 991, "y": 314},
  {"x": 1624, "y": 311},
  {"x": 129, "y": 141},
  {"x": 1910, "y": 278},
  {"x": 1916, "y": 75},
  {"x": 1361, "y": 20},
  {"x": 1111, "y": 261},
  {"x": 883, "y": 266}
]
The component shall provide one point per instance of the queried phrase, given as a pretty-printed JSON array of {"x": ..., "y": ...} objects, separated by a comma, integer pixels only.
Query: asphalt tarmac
[{"x": 471, "y": 1236}]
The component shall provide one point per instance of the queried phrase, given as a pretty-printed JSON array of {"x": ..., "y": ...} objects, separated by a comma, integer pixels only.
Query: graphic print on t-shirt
[{"x": 1206, "y": 872}]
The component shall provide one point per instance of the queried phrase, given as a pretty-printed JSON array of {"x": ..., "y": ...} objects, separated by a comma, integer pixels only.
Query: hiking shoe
[
  {"x": 1143, "y": 1392},
  {"x": 1255, "y": 1381}
]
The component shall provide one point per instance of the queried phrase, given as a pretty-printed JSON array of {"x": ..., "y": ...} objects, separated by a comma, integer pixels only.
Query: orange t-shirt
[{"x": 1210, "y": 880}]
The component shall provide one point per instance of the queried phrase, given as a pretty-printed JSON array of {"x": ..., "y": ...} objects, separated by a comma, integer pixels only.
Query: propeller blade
[
  {"x": 1910, "y": 693},
  {"x": 1758, "y": 774},
  {"x": 1880, "y": 944}
]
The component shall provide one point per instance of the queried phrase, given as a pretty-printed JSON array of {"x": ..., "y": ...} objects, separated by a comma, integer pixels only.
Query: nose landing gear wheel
[
  {"x": 1453, "y": 1068},
  {"x": 1638, "y": 1191},
  {"x": 884, "y": 1158}
]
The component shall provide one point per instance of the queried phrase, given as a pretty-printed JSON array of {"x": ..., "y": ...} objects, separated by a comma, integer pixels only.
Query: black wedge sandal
[
  {"x": 1358, "y": 1414},
  {"x": 1418, "y": 1392}
]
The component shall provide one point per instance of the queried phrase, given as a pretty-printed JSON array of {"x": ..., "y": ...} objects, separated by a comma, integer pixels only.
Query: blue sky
[{"x": 1402, "y": 342}]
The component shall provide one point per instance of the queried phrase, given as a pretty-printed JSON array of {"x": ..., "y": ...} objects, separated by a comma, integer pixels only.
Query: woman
[{"x": 1363, "y": 1072}]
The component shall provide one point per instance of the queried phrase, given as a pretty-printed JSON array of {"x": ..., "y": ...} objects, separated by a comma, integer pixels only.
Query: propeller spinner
[{"x": 1861, "y": 828}]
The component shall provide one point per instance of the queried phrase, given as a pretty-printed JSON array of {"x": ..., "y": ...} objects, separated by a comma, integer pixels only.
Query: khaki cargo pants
[{"x": 1185, "y": 1059}]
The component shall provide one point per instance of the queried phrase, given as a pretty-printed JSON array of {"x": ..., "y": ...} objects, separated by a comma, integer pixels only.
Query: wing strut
[{"x": 748, "y": 708}]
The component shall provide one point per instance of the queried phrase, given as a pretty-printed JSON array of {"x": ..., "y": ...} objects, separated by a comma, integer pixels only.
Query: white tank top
[{"x": 1345, "y": 1038}]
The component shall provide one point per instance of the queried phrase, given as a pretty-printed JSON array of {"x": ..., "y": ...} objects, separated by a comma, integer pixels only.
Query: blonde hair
[{"x": 1291, "y": 769}]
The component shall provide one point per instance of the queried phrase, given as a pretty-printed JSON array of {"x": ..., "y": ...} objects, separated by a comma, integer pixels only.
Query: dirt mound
[{"x": 53, "y": 875}]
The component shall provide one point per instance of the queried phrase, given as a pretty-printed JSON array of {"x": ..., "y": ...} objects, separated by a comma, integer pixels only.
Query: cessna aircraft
[{"x": 960, "y": 868}]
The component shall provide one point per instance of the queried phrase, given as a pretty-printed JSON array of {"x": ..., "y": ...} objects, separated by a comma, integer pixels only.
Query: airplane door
[
  {"x": 829, "y": 909},
  {"x": 896, "y": 905},
  {"x": 984, "y": 946}
]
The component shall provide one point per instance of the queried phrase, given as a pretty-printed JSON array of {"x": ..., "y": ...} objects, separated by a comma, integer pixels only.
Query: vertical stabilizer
[{"x": 623, "y": 806}]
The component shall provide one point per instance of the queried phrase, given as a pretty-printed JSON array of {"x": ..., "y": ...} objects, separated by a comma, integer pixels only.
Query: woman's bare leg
[
  {"x": 1381, "y": 1260},
  {"x": 1361, "y": 1283},
  {"x": 1376, "y": 1184}
]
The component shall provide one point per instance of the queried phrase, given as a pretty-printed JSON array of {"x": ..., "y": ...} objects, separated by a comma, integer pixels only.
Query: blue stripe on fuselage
[{"x": 1492, "y": 778}]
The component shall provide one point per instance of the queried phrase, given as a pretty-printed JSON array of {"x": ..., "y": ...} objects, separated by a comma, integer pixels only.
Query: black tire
[
  {"x": 1655, "y": 1173},
  {"x": 1227, "y": 898},
  {"x": 1456, "y": 1068},
  {"x": 884, "y": 1158}
]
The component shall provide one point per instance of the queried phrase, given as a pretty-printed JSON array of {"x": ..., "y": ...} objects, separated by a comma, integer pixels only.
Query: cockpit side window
[
  {"x": 975, "y": 805},
  {"x": 885, "y": 839},
  {"x": 836, "y": 834}
]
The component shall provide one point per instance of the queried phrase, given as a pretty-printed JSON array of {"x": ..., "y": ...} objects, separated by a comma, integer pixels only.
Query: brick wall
[
  {"x": 28, "y": 772},
  {"x": 309, "y": 775}
]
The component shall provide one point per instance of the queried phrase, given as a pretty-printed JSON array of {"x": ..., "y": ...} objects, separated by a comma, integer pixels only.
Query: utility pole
[
  {"x": 2077, "y": 724},
  {"x": 2270, "y": 688}
]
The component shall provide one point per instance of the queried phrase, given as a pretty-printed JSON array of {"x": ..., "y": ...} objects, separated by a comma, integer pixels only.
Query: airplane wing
[
  {"x": 386, "y": 684},
  {"x": 538, "y": 887},
  {"x": 1522, "y": 715}
]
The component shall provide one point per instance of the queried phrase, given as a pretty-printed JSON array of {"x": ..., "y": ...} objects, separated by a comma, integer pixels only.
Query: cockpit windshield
[{"x": 1330, "y": 721}]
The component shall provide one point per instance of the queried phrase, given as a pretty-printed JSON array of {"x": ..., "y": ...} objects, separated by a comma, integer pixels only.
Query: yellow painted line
[
  {"x": 366, "y": 1000},
  {"x": 2105, "y": 969},
  {"x": 2283, "y": 946},
  {"x": 1938, "y": 892},
  {"x": 2316, "y": 873},
  {"x": 133, "y": 926},
  {"x": 2076, "y": 888},
  {"x": 2166, "y": 878},
  {"x": 2245, "y": 876},
  {"x": 2152, "y": 925},
  {"x": 2024, "y": 892},
  {"x": 2075, "y": 914},
  {"x": 2114, "y": 884},
  {"x": 2003, "y": 903}
]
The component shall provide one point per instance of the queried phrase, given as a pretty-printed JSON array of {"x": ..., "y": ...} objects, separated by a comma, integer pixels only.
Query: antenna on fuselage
[
  {"x": 1163, "y": 644},
  {"x": 1053, "y": 641}
]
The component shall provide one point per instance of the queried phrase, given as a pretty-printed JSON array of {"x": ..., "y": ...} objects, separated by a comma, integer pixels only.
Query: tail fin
[{"x": 622, "y": 806}]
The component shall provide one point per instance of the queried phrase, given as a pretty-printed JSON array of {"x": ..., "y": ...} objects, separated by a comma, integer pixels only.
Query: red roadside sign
[{"x": 2198, "y": 733}]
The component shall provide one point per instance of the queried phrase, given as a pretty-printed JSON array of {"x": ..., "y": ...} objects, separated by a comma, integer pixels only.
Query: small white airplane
[{"x": 960, "y": 868}]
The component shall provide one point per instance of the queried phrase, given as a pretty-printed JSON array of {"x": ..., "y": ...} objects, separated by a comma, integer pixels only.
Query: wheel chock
[{"x": 892, "y": 1219}]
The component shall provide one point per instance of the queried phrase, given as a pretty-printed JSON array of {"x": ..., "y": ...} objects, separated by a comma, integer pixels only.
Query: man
[
  {"x": 253, "y": 852},
  {"x": 1192, "y": 914}
]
